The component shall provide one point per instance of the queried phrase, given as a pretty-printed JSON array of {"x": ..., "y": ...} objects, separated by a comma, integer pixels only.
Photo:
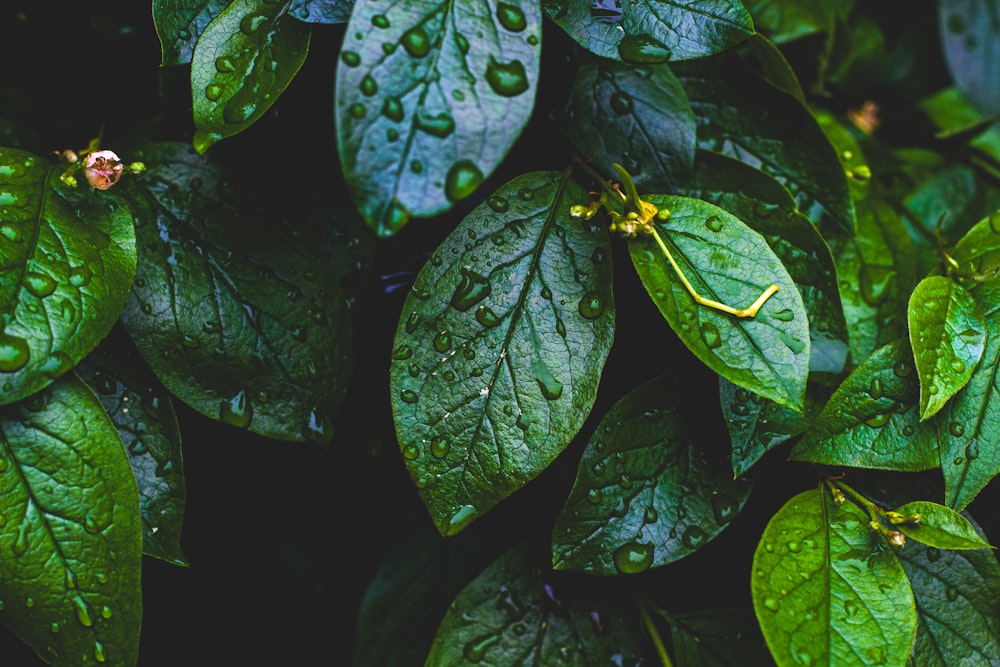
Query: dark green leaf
[
  {"x": 852, "y": 160},
  {"x": 518, "y": 613},
  {"x": 409, "y": 594},
  {"x": 876, "y": 273},
  {"x": 239, "y": 315},
  {"x": 429, "y": 99},
  {"x": 321, "y": 11},
  {"x": 939, "y": 526},
  {"x": 726, "y": 261},
  {"x": 785, "y": 21},
  {"x": 639, "y": 118},
  {"x": 718, "y": 638},
  {"x": 68, "y": 257},
  {"x": 244, "y": 60},
  {"x": 970, "y": 38},
  {"x": 770, "y": 64},
  {"x": 648, "y": 31},
  {"x": 765, "y": 206},
  {"x": 872, "y": 420},
  {"x": 947, "y": 335},
  {"x": 500, "y": 347},
  {"x": 822, "y": 595},
  {"x": 956, "y": 594},
  {"x": 143, "y": 413},
  {"x": 957, "y": 118},
  {"x": 648, "y": 491},
  {"x": 70, "y": 530},
  {"x": 179, "y": 25},
  {"x": 742, "y": 116}
]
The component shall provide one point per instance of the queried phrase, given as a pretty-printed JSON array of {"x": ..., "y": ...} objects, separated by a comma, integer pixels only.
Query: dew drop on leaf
[
  {"x": 380, "y": 21},
  {"x": 251, "y": 23},
  {"x": 14, "y": 353},
  {"x": 463, "y": 178},
  {"x": 511, "y": 17},
  {"x": 620, "y": 102},
  {"x": 642, "y": 49},
  {"x": 475, "y": 650},
  {"x": 440, "y": 447},
  {"x": 213, "y": 91},
  {"x": 416, "y": 42},
  {"x": 442, "y": 341},
  {"x": 723, "y": 508},
  {"x": 591, "y": 306},
  {"x": 771, "y": 603},
  {"x": 710, "y": 335},
  {"x": 694, "y": 537},
  {"x": 633, "y": 558},
  {"x": 506, "y": 79},
  {"x": 408, "y": 396},
  {"x": 471, "y": 289},
  {"x": 237, "y": 411},
  {"x": 82, "y": 612}
]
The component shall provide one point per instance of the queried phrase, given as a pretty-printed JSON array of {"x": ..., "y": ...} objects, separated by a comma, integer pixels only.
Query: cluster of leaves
[{"x": 754, "y": 157}]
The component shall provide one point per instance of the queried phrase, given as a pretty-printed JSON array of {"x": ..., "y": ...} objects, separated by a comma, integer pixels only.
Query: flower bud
[
  {"x": 102, "y": 169},
  {"x": 896, "y": 538}
]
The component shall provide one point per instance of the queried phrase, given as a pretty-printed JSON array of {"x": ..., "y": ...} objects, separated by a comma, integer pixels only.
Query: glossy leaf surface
[
  {"x": 500, "y": 347},
  {"x": 970, "y": 37},
  {"x": 517, "y": 612},
  {"x": 71, "y": 538},
  {"x": 68, "y": 257},
  {"x": 245, "y": 58},
  {"x": 179, "y": 25},
  {"x": 239, "y": 316},
  {"x": 429, "y": 99},
  {"x": 644, "y": 31},
  {"x": 650, "y": 488},
  {"x": 727, "y": 261},
  {"x": 321, "y": 11},
  {"x": 718, "y": 638},
  {"x": 822, "y": 595},
  {"x": 939, "y": 527}
]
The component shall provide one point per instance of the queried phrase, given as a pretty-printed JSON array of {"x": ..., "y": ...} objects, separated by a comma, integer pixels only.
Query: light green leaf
[
  {"x": 429, "y": 99},
  {"x": 647, "y": 31},
  {"x": 859, "y": 174},
  {"x": 649, "y": 488},
  {"x": 947, "y": 335},
  {"x": 518, "y": 613},
  {"x": 871, "y": 420},
  {"x": 956, "y": 594},
  {"x": 244, "y": 60},
  {"x": 726, "y": 261},
  {"x": 70, "y": 536},
  {"x": 236, "y": 308},
  {"x": 500, "y": 347},
  {"x": 939, "y": 526},
  {"x": 822, "y": 595},
  {"x": 638, "y": 118},
  {"x": 179, "y": 24},
  {"x": 143, "y": 413},
  {"x": 68, "y": 259},
  {"x": 970, "y": 40}
]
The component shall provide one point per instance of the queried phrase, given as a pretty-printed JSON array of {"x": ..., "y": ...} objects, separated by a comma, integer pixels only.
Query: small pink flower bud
[
  {"x": 102, "y": 169},
  {"x": 896, "y": 538}
]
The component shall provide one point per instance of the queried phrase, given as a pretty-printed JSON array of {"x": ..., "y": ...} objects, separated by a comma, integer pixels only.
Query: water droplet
[
  {"x": 694, "y": 537},
  {"x": 874, "y": 283},
  {"x": 877, "y": 420},
  {"x": 82, "y": 612},
  {"x": 972, "y": 449},
  {"x": 951, "y": 593},
  {"x": 956, "y": 429},
  {"x": 442, "y": 341},
  {"x": 368, "y": 86},
  {"x": 224, "y": 65},
  {"x": 356, "y": 111},
  {"x": 511, "y": 17},
  {"x": 620, "y": 102},
  {"x": 416, "y": 42},
  {"x": 471, "y": 289},
  {"x": 99, "y": 652},
  {"x": 39, "y": 284},
  {"x": 350, "y": 58},
  {"x": 771, "y": 603},
  {"x": 550, "y": 387},
  {"x": 55, "y": 628},
  {"x": 475, "y": 650},
  {"x": 591, "y": 306},
  {"x": 957, "y": 365},
  {"x": 594, "y": 496},
  {"x": 14, "y": 353},
  {"x": 317, "y": 427},
  {"x": 875, "y": 389},
  {"x": 402, "y": 352},
  {"x": 633, "y": 558},
  {"x": 79, "y": 276},
  {"x": 20, "y": 544},
  {"x": 909, "y": 430},
  {"x": 713, "y": 223},
  {"x": 710, "y": 334},
  {"x": 902, "y": 368},
  {"x": 380, "y": 21},
  {"x": 642, "y": 49},
  {"x": 932, "y": 554},
  {"x": 237, "y": 411},
  {"x": 486, "y": 317},
  {"x": 440, "y": 125},
  {"x": 251, "y": 23},
  {"x": 794, "y": 547},
  {"x": 57, "y": 364},
  {"x": 724, "y": 508},
  {"x": 506, "y": 79},
  {"x": 408, "y": 396},
  {"x": 213, "y": 92},
  {"x": 10, "y": 233},
  {"x": 462, "y": 180},
  {"x": 794, "y": 344},
  {"x": 461, "y": 518},
  {"x": 440, "y": 447},
  {"x": 411, "y": 452},
  {"x": 106, "y": 612}
]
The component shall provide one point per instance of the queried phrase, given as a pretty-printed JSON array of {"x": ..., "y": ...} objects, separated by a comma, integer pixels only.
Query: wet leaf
[
  {"x": 970, "y": 35},
  {"x": 243, "y": 61},
  {"x": 321, "y": 11},
  {"x": 179, "y": 26},
  {"x": 822, "y": 595},
  {"x": 518, "y": 612},
  {"x": 956, "y": 594},
  {"x": 430, "y": 97},
  {"x": 650, "y": 488},
  {"x": 70, "y": 535},
  {"x": 143, "y": 412},
  {"x": 726, "y": 261},
  {"x": 639, "y": 118},
  {"x": 68, "y": 257},
  {"x": 872, "y": 418},
  {"x": 786, "y": 21},
  {"x": 947, "y": 335},
  {"x": 766, "y": 59},
  {"x": 643, "y": 31},
  {"x": 239, "y": 315},
  {"x": 500, "y": 347},
  {"x": 718, "y": 638},
  {"x": 852, "y": 160},
  {"x": 939, "y": 526},
  {"x": 740, "y": 115}
]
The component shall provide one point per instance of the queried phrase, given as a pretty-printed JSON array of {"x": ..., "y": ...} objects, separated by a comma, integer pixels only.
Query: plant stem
[{"x": 654, "y": 633}]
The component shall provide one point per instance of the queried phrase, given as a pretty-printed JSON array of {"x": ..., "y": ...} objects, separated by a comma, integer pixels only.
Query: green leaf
[
  {"x": 956, "y": 117},
  {"x": 70, "y": 530},
  {"x": 956, "y": 594},
  {"x": 237, "y": 312},
  {"x": 740, "y": 115},
  {"x": 638, "y": 118},
  {"x": 876, "y": 271},
  {"x": 765, "y": 206},
  {"x": 871, "y": 420},
  {"x": 143, "y": 413},
  {"x": 518, "y": 613},
  {"x": 644, "y": 31},
  {"x": 68, "y": 260},
  {"x": 852, "y": 160},
  {"x": 718, "y": 638},
  {"x": 179, "y": 25},
  {"x": 726, "y": 261},
  {"x": 770, "y": 64},
  {"x": 649, "y": 489},
  {"x": 822, "y": 595},
  {"x": 968, "y": 428},
  {"x": 784, "y": 21},
  {"x": 939, "y": 526},
  {"x": 321, "y": 11},
  {"x": 500, "y": 347},
  {"x": 244, "y": 60},
  {"x": 970, "y": 40},
  {"x": 947, "y": 335},
  {"x": 430, "y": 97}
]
